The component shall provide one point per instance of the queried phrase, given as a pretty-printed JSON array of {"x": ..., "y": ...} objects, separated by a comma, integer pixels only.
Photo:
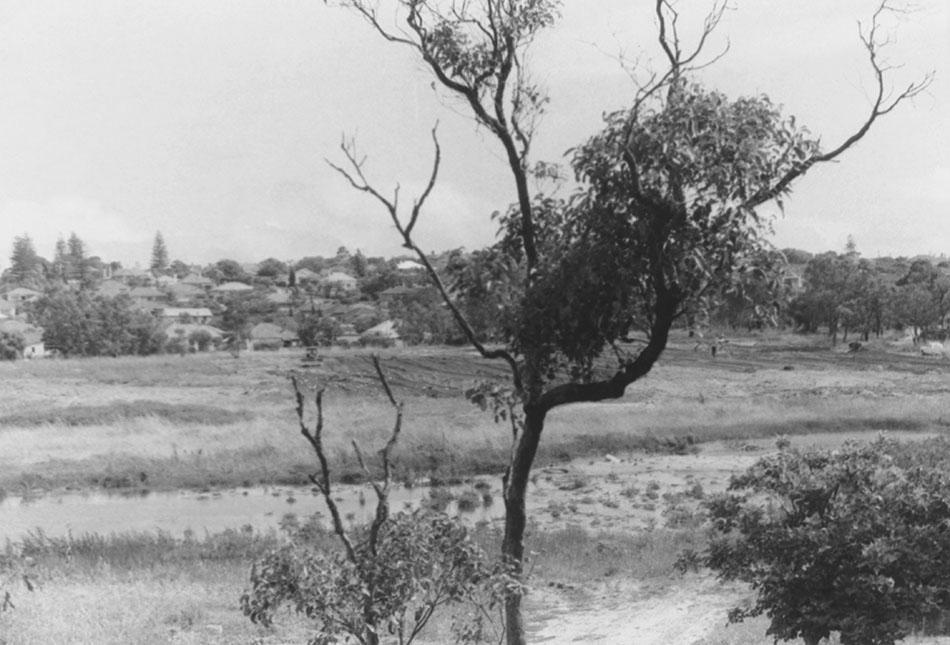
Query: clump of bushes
[{"x": 853, "y": 541}]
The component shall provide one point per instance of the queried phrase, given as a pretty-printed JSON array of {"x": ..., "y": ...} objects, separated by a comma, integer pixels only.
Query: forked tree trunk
[{"x": 516, "y": 517}]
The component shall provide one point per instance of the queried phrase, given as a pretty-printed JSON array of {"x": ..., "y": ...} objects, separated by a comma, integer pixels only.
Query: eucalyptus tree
[{"x": 665, "y": 210}]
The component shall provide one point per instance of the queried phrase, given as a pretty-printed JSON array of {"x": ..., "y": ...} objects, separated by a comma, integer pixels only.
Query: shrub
[
  {"x": 11, "y": 346},
  {"x": 422, "y": 561},
  {"x": 853, "y": 541}
]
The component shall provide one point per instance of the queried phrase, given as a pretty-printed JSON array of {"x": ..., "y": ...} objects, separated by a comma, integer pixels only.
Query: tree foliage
[
  {"x": 159, "y": 263},
  {"x": 11, "y": 346},
  {"x": 422, "y": 561},
  {"x": 26, "y": 266},
  {"x": 77, "y": 323},
  {"x": 851, "y": 541}
]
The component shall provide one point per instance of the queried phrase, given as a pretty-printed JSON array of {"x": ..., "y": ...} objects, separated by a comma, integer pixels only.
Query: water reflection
[{"x": 180, "y": 511}]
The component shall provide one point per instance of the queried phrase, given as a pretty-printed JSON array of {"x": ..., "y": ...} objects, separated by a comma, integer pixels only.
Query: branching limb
[
  {"x": 884, "y": 102},
  {"x": 356, "y": 177},
  {"x": 322, "y": 481}
]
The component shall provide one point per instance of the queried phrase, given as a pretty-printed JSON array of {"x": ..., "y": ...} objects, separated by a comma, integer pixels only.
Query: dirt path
[{"x": 622, "y": 613}]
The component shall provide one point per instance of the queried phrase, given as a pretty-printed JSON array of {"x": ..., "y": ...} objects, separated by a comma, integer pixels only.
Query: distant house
[
  {"x": 185, "y": 332},
  {"x": 166, "y": 280},
  {"x": 112, "y": 288},
  {"x": 270, "y": 336},
  {"x": 196, "y": 280},
  {"x": 7, "y": 309},
  {"x": 409, "y": 266},
  {"x": 182, "y": 292},
  {"x": 198, "y": 315},
  {"x": 32, "y": 337},
  {"x": 384, "y": 333},
  {"x": 339, "y": 283},
  {"x": 132, "y": 276},
  {"x": 147, "y": 294},
  {"x": 347, "y": 335},
  {"x": 393, "y": 294},
  {"x": 305, "y": 275},
  {"x": 232, "y": 287},
  {"x": 21, "y": 295}
]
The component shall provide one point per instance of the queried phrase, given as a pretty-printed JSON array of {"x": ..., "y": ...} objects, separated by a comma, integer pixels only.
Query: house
[
  {"x": 409, "y": 266},
  {"x": 393, "y": 294},
  {"x": 7, "y": 309},
  {"x": 270, "y": 336},
  {"x": 165, "y": 280},
  {"x": 384, "y": 333},
  {"x": 339, "y": 283},
  {"x": 305, "y": 275},
  {"x": 197, "y": 315},
  {"x": 232, "y": 287},
  {"x": 32, "y": 337},
  {"x": 112, "y": 288},
  {"x": 347, "y": 335},
  {"x": 132, "y": 276},
  {"x": 146, "y": 294},
  {"x": 188, "y": 332},
  {"x": 196, "y": 280},
  {"x": 21, "y": 295},
  {"x": 182, "y": 292}
]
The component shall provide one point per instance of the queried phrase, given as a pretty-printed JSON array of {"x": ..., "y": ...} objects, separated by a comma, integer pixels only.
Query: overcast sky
[{"x": 209, "y": 121}]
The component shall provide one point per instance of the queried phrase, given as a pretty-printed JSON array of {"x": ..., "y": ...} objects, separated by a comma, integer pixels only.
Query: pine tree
[
  {"x": 159, "y": 254},
  {"x": 76, "y": 258},
  {"x": 25, "y": 264}
]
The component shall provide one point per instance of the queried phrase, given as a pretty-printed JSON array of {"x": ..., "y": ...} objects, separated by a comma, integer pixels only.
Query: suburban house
[
  {"x": 112, "y": 288},
  {"x": 21, "y": 295},
  {"x": 409, "y": 266},
  {"x": 384, "y": 333},
  {"x": 132, "y": 276},
  {"x": 393, "y": 294},
  {"x": 182, "y": 292},
  {"x": 339, "y": 283},
  {"x": 306, "y": 276},
  {"x": 270, "y": 336},
  {"x": 232, "y": 287},
  {"x": 187, "y": 331},
  {"x": 199, "y": 315},
  {"x": 196, "y": 280},
  {"x": 147, "y": 295}
]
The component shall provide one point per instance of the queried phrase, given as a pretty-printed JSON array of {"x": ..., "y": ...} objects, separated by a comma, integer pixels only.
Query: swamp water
[{"x": 262, "y": 508}]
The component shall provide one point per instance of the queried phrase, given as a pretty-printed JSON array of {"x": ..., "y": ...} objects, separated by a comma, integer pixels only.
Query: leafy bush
[
  {"x": 854, "y": 541},
  {"x": 11, "y": 346},
  {"x": 422, "y": 561}
]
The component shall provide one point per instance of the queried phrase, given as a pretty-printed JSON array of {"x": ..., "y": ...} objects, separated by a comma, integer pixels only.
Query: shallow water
[{"x": 179, "y": 511}]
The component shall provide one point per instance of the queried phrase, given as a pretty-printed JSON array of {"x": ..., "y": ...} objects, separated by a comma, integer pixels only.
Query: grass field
[{"x": 605, "y": 536}]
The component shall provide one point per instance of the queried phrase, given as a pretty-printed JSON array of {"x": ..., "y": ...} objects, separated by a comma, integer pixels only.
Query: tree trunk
[{"x": 516, "y": 517}]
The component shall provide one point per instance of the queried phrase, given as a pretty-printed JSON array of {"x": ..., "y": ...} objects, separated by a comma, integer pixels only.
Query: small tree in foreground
[
  {"x": 854, "y": 541},
  {"x": 666, "y": 209},
  {"x": 388, "y": 578}
]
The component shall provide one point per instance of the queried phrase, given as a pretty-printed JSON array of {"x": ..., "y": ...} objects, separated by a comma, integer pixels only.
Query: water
[{"x": 179, "y": 511}]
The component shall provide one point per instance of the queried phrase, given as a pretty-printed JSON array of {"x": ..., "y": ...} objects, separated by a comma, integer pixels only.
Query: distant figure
[{"x": 854, "y": 347}]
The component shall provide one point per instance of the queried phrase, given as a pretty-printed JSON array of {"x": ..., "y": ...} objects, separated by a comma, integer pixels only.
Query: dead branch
[
  {"x": 884, "y": 102},
  {"x": 315, "y": 439},
  {"x": 357, "y": 179}
]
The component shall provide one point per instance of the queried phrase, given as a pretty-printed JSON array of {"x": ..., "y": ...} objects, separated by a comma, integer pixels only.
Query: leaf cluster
[
  {"x": 855, "y": 541},
  {"x": 423, "y": 561}
]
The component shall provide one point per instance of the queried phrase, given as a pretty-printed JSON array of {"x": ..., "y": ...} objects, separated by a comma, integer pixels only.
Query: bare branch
[
  {"x": 880, "y": 105},
  {"x": 315, "y": 439},
  {"x": 358, "y": 180}
]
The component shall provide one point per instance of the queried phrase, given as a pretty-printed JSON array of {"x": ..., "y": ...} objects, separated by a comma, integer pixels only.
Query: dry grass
[{"x": 212, "y": 420}]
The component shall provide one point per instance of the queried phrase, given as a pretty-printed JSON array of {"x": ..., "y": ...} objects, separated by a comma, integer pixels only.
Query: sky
[{"x": 212, "y": 122}]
